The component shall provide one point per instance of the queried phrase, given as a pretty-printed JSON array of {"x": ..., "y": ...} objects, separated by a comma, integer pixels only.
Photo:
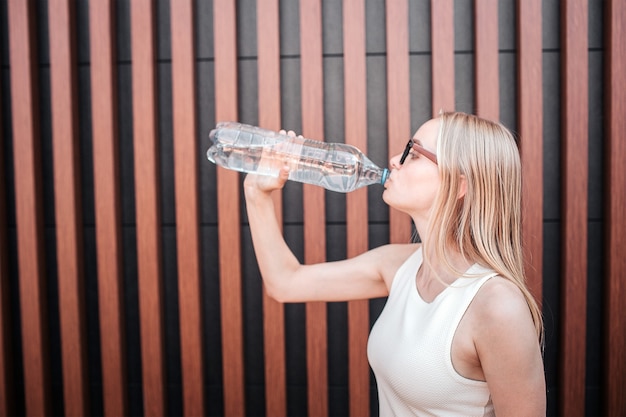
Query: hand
[{"x": 264, "y": 183}]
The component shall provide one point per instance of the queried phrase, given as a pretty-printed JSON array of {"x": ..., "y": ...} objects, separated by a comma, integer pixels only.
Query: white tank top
[{"x": 409, "y": 349}]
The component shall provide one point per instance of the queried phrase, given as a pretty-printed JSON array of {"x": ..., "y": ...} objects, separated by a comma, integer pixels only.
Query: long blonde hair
[{"x": 484, "y": 225}]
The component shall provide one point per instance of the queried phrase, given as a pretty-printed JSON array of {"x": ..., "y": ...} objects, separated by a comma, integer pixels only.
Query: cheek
[{"x": 412, "y": 192}]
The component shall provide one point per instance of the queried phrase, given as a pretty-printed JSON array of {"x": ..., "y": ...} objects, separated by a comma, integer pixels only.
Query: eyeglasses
[{"x": 420, "y": 149}]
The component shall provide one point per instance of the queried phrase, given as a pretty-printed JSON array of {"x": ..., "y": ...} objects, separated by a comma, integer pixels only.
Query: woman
[{"x": 460, "y": 334}]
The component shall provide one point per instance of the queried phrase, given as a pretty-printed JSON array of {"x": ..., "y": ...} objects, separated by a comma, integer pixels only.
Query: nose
[{"x": 394, "y": 162}]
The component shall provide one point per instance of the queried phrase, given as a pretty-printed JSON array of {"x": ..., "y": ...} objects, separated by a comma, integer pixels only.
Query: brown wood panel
[
  {"x": 355, "y": 109},
  {"x": 107, "y": 205},
  {"x": 187, "y": 206},
  {"x": 312, "y": 87},
  {"x": 68, "y": 210},
  {"x": 530, "y": 128},
  {"x": 398, "y": 100},
  {"x": 575, "y": 162},
  {"x": 487, "y": 74},
  {"x": 147, "y": 203},
  {"x": 615, "y": 231},
  {"x": 268, "y": 35},
  {"x": 28, "y": 206},
  {"x": 7, "y": 403},
  {"x": 229, "y": 217},
  {"x": 442, "y": 34}
]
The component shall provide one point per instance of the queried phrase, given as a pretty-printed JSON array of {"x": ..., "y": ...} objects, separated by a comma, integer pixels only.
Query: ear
[{"x": 462, "y": 187}]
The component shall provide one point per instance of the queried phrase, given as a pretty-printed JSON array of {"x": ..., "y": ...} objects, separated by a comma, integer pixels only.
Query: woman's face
[{"x": 412, "y": 186}]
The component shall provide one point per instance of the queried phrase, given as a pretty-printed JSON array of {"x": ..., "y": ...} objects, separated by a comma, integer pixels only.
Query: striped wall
[{"x": 128, "y": 283}]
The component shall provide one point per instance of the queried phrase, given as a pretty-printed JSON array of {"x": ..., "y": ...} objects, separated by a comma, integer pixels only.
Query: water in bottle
[{"x": 334, "y": 166}]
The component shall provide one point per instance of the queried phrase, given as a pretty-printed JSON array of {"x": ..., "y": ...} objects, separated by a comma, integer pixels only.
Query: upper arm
[
  {"x": 509, "y": 351},
  {"x": 368, "y": 275}
]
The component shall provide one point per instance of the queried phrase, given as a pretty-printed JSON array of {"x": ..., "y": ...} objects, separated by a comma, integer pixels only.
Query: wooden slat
[
  {"x": 615, "y": 345},
  {"x": 187, "y": 206},
  {"x": 28, "y": 206},
  {"x": 69, "y": 236},
  {"x": 530, "y": 126},
  {"x": 442, "y": 34},
  {"x": 148, "y": 218},
  {"x": 107, "y": 205},
  {"x": 7, "y": 403},
  {"x": 575, "y": 185},
  {"x": 229, "y": 218},
  {"x": 398, "y": 100},
  {"x": 312, "y": 88},
  {"x": 268, "y": 35},
  {"x": 486, "y": 58},
  {"x": 355, "y": 87}
]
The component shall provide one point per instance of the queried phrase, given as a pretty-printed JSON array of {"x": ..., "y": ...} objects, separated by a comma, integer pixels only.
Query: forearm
[{"x": 276, "y": 261}]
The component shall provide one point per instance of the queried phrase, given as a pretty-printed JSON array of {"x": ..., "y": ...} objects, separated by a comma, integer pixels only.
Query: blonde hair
[{"x": 484, "y": 225}]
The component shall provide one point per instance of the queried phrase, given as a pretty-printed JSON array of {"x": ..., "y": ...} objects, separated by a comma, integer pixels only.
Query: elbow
[{"x": 276, "y": 292}]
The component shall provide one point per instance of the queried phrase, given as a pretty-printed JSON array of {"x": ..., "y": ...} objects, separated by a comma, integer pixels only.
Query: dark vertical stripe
[
  {"x": 7, "y": 392},
  {"x": 487, "y": 73},
  {"x": 615, "y": 330},
  {"x": 355, "y": 84},
  {"x": 107, "y": 205},
  {"x": 229, "y": 228},
  {"x": 187, "y": 206},
  {"x": 530, "y": 127},
  {"x": 148, "y": 219},
  {"x": 442, "y": 35},
  {"x": 575, "y": 145},
  {"x": 68, "y": 205},
  {"x": 268, "y": 35},
  {"x": 28, "y": 207},
  {"x": 398, "y": 100}
]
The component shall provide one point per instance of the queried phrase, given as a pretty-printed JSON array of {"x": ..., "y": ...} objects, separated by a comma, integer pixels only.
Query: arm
[
  {"x": 365, "y": 276},
  {"x": 509, "y": 351}
]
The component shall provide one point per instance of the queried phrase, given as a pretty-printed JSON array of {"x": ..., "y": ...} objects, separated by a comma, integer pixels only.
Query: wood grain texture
[
  {"x": 107, "y": 205},
  {"x": 530, "y": 126},
  {"x": 67, "y": 194},
  {"x": 355, "y": 110},
  {"x": 575, "y": 186},
  {"x": 187, "y": 206},
  {"x": 487, "y": 70},
  {"x": 28, "y": 206},
  {"x": 398, "y": 100},
  {"x": 268, "y": 35},
  {"x": 442, "y": 35},
  {"x": 615, "y": 231},
  {"x": 229, "y": 218},
  {"x": 148, "y": 204},
  {"x": 312, "y": 88}
]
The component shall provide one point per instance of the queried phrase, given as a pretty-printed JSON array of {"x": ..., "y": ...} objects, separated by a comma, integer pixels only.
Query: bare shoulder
[
  {"x": 501, "y": 300},
  {"x": 388, "y": 258}
]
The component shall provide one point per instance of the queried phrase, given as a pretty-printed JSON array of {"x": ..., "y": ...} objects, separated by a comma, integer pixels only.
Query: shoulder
[{"x": 388, "y": 258}]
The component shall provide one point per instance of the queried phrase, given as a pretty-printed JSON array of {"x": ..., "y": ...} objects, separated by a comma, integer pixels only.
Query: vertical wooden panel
[
  {"x": 487, "y": 74},
  {"x": 312, "y": 87},
  {"x": 268, "y": 36},
  {"x": 6, "y": 352},
  {"x": 398, "y": 100},
  {"x": 187, "y": 206},
  {"x": 229, "y": 218},
  {"x": 107, "y": 206},
  {"x": 355, "y": 85},
  {"x": 63, "y": 80},
  {"x": 442, "y": 34},
  {"x": 28, "y": 206},
  {"x": 530, "y": 127},
  {"x": 615, "y": 376},
  {"x": 148, "y": 217},
  {"x": 575, "y": 184}
]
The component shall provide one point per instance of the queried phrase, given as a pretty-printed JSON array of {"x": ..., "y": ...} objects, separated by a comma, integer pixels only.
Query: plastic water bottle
[{"x": 334, "y": 166}]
